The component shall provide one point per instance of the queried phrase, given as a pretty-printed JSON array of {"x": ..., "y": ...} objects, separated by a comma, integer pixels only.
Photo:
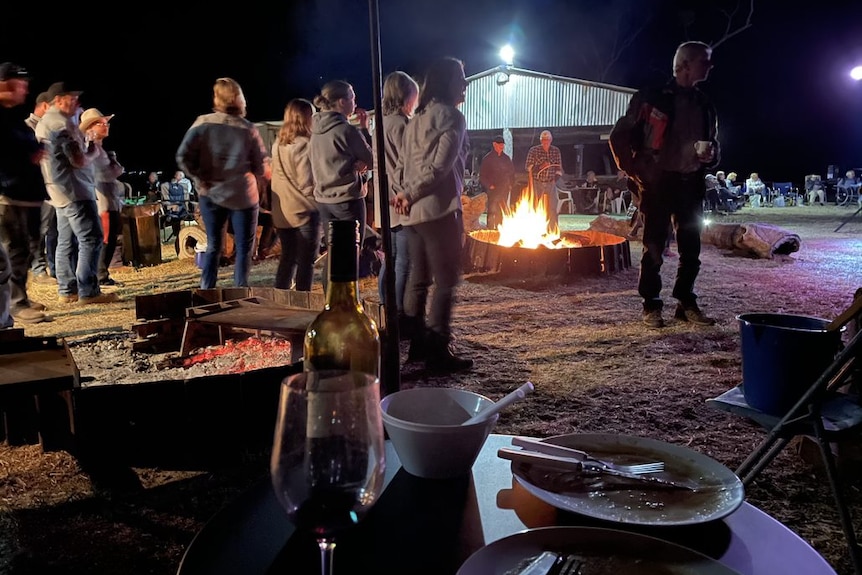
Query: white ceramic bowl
[{"x": 424, "y": 425}]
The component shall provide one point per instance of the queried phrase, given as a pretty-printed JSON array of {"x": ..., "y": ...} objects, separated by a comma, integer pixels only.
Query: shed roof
[{"x": 510, "y": 97}]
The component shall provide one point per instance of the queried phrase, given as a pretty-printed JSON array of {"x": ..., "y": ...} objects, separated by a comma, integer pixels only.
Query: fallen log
[{"x": 754, "y": 240}]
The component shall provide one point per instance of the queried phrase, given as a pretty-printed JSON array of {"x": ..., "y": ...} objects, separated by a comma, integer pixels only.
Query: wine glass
[{"x": 328, "y": 453}]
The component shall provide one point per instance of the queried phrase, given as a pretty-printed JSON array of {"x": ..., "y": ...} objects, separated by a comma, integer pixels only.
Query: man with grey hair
[
  {"x": 665, "y": 142},
  {"x": 544, "y": 166}
]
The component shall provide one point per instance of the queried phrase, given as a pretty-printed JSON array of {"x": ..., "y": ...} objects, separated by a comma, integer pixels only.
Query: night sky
[{"x": 787, "y": 106}]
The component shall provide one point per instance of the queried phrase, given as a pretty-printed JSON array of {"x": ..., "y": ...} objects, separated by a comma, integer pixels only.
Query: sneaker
[
  {"x": 692, "y": 314},
  {"x": 69, "y": 298},
  {"x": 652, "y": 318},
  {"x": 27, "y": 315},
  {"x": 99, "y": 298},
  {"x": 36, "y": 305}
]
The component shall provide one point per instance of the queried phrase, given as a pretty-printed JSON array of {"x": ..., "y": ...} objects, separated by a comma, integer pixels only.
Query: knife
[
  {"x": 541, "y": 565},
  {"x": 571, "y": 464}
]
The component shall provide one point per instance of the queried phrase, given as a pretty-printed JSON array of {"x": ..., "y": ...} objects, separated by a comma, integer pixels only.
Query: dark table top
[{"x": 421, "y": 526}]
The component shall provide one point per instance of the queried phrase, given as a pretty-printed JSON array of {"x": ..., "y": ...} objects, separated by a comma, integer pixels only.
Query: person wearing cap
[
  {"x": 497, "y": 176},
  {"x": 70, "y": 179},
  {"x": 226, "y": 157},
  {"x": 545, "y": 165},
  {"x": 42, "y": 262},
  {"x": 110, "y": 192},
  {"x": 21, "y": 197}
]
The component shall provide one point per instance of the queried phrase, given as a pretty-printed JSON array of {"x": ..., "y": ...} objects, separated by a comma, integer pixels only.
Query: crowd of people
[{"x": 59, "y": 198}]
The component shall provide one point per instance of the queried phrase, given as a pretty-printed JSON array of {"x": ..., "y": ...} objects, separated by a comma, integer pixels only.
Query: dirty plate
[
  {"x": 604, "y": 552},
  {"x": 718, "y": 491}
]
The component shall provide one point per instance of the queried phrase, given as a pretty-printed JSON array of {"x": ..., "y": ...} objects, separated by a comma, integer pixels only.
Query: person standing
[
  {"x": 400, "y": 97},
  {"x": 294, "y": 211},
  {"x": 665, "y": 142},
  {"x": 21, "y": 195},
  {"x": 42, "y": 262},
  {"x": 428, "y": 195},
  {"x": 225, "y": 155},
  {"x": 544, "y": 166},
  {"x": 497, "y": 176},
  {"x": 109, "y": 190},
  {"x": 340, "y": 156},
  {"x": 68, "y": 171}
]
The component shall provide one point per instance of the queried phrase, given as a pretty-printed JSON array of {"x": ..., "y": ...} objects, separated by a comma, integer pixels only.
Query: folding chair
[{"x": 826, "y": 411}]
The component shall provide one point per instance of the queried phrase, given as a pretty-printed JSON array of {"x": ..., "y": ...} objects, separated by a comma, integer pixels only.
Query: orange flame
[{"x": 526, "y": 225}]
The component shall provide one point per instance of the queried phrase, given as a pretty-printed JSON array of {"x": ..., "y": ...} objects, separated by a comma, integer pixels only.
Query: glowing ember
[
  {"x": 527, "y": 226},
  {"x": 245, "y": 355}
]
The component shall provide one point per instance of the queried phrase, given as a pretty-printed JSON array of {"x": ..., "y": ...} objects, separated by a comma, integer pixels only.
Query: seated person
[
  {"x": 850, "y": 184},
  {"x": 615, "y": 194},
  {"x": 731, "y": 184},
  {"x": 754, "y": 189},
  {"x": 711, "y": 192},
  {"x": 181, "y": 179},
  {"x": 814, "y": 190},
  {"x": 588, "y": 200},
  {"x": 154, "y": 188}
]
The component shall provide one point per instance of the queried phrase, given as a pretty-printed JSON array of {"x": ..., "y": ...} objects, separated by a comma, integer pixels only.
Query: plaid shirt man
[{"x": 545, "y": 160}]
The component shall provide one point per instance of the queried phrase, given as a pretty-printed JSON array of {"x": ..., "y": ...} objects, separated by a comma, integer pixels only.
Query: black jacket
[{"x": 20, "y": 178}]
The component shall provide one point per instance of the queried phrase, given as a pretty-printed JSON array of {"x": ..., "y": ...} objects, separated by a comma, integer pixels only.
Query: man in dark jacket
[
  {"x": 665, "y": 142},
  {"x": 497, "y": 175},
  {"x": 21, "y": 195}
]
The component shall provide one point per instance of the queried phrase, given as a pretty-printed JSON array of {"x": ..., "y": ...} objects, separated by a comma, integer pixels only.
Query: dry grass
[{"x": 596, "y": 369}]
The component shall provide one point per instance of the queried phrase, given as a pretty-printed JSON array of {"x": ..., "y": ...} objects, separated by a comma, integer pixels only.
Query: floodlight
[
  {"x": 507, "y": 54},
  {"x": 856, "y": 73}
]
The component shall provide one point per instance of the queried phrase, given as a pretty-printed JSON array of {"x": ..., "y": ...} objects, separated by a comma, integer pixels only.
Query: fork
[
  {"x": 538, "y": 446},
  {"x": 567, "y": 565}
]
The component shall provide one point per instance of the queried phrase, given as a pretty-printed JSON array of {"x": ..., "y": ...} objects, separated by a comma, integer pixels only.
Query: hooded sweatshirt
[{"x": 335, "y": 148}]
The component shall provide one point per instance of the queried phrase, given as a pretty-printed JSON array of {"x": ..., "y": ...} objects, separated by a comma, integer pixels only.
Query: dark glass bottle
[{"x": 342, "y": 336}]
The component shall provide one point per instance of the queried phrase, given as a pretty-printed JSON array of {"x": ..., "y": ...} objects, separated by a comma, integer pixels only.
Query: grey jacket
[
  {"x": 393, "y": 137},
  {"x": 226, "y": 157},
  {"x": 67, "y": 166},
  {"x": 336, "y": 146},
  {"x": 292, "y": 185},
  {"x": 109, "y": 190},
  {"x": 431, "y": 166}
]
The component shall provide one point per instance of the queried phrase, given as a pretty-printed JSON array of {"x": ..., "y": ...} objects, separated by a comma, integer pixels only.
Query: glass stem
[{"x": 327, "y": 552}]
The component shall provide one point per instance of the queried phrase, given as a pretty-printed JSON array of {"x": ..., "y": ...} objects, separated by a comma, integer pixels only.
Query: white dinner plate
[
  {"x": 604, "y": 552},
  {"x": 719, "y": 492}
]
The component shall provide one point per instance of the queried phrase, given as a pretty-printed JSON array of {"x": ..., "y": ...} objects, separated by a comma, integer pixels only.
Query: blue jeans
[
  {"x": 78, "y": 221},
  {"x": 5, "y": 302},
  {"x": 298, "y": 251},
  {"x": 244, "y": 223},
  {"x": 401, "y": 257}
]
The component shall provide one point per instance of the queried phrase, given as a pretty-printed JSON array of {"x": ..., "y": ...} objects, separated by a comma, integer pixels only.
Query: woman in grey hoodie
[
  {"x": 340, "y": 157},
  {"x": 430, "y": 174}
]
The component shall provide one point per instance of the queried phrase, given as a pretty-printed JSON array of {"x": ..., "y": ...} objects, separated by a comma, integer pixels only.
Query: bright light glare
[
  {"x": 507, "y": 54},
  {"x": 856, "y": 73}
]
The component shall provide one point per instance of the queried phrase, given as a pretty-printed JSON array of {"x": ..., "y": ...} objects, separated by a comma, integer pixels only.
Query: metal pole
[{"x": 391, "y": 371}]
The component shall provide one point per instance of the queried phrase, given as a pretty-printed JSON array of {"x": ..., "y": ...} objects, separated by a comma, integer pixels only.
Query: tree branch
[{"x": 728, "y": 31}]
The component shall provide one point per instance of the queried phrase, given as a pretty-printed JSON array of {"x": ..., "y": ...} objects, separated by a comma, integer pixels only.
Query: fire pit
[{"x": 524, "y": 245}]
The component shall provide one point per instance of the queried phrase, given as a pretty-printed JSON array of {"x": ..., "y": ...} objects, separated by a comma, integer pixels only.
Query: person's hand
[
  {"x": 360, "y": 167},
  {"x": 37, "y": 156},
  {"x": 361, "y": 117},
  {"x": 400, "y": 203}
]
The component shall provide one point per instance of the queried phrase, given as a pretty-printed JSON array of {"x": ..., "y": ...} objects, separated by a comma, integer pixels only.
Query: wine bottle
[{"x": 342, "y": 336}]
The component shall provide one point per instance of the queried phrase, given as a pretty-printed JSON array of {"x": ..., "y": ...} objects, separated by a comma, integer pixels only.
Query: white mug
[{"x": 703, "y": 148}]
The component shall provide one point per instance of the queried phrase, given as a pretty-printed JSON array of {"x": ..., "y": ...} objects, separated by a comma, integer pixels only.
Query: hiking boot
[
  {"x": 27, "y": 315},
  {"x": 99, "y": 298},
  {"x": 68, "y": 298},
  {"x": 440, "y": 359},
  {"x": 692, "y": 314},
  {"x": 652, "y": 318}
]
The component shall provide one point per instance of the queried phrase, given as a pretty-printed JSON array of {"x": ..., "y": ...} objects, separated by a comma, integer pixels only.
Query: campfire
[
  {"x": 527, "y": 226},
  {"x": 525, "y": 245}
]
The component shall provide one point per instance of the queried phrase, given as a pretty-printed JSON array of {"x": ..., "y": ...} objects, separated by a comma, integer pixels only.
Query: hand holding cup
[{"x": 705, "y": 150}]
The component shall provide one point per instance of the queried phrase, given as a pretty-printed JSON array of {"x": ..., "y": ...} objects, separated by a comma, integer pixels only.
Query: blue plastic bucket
[{"x": 782, "y": 355}]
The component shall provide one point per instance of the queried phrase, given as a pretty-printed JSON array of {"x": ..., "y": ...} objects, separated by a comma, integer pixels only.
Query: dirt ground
[{"x": 596, "y": 369}]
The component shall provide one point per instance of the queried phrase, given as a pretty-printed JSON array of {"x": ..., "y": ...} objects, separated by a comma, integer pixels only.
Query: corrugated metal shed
[{"x": 509, "y": 97}]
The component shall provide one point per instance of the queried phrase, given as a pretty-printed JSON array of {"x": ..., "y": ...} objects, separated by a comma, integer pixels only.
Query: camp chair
[
  {"x": 175, "y": 209},
  {"x": 826, "y": 411},
  {"x": 783, "y": 194}
]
